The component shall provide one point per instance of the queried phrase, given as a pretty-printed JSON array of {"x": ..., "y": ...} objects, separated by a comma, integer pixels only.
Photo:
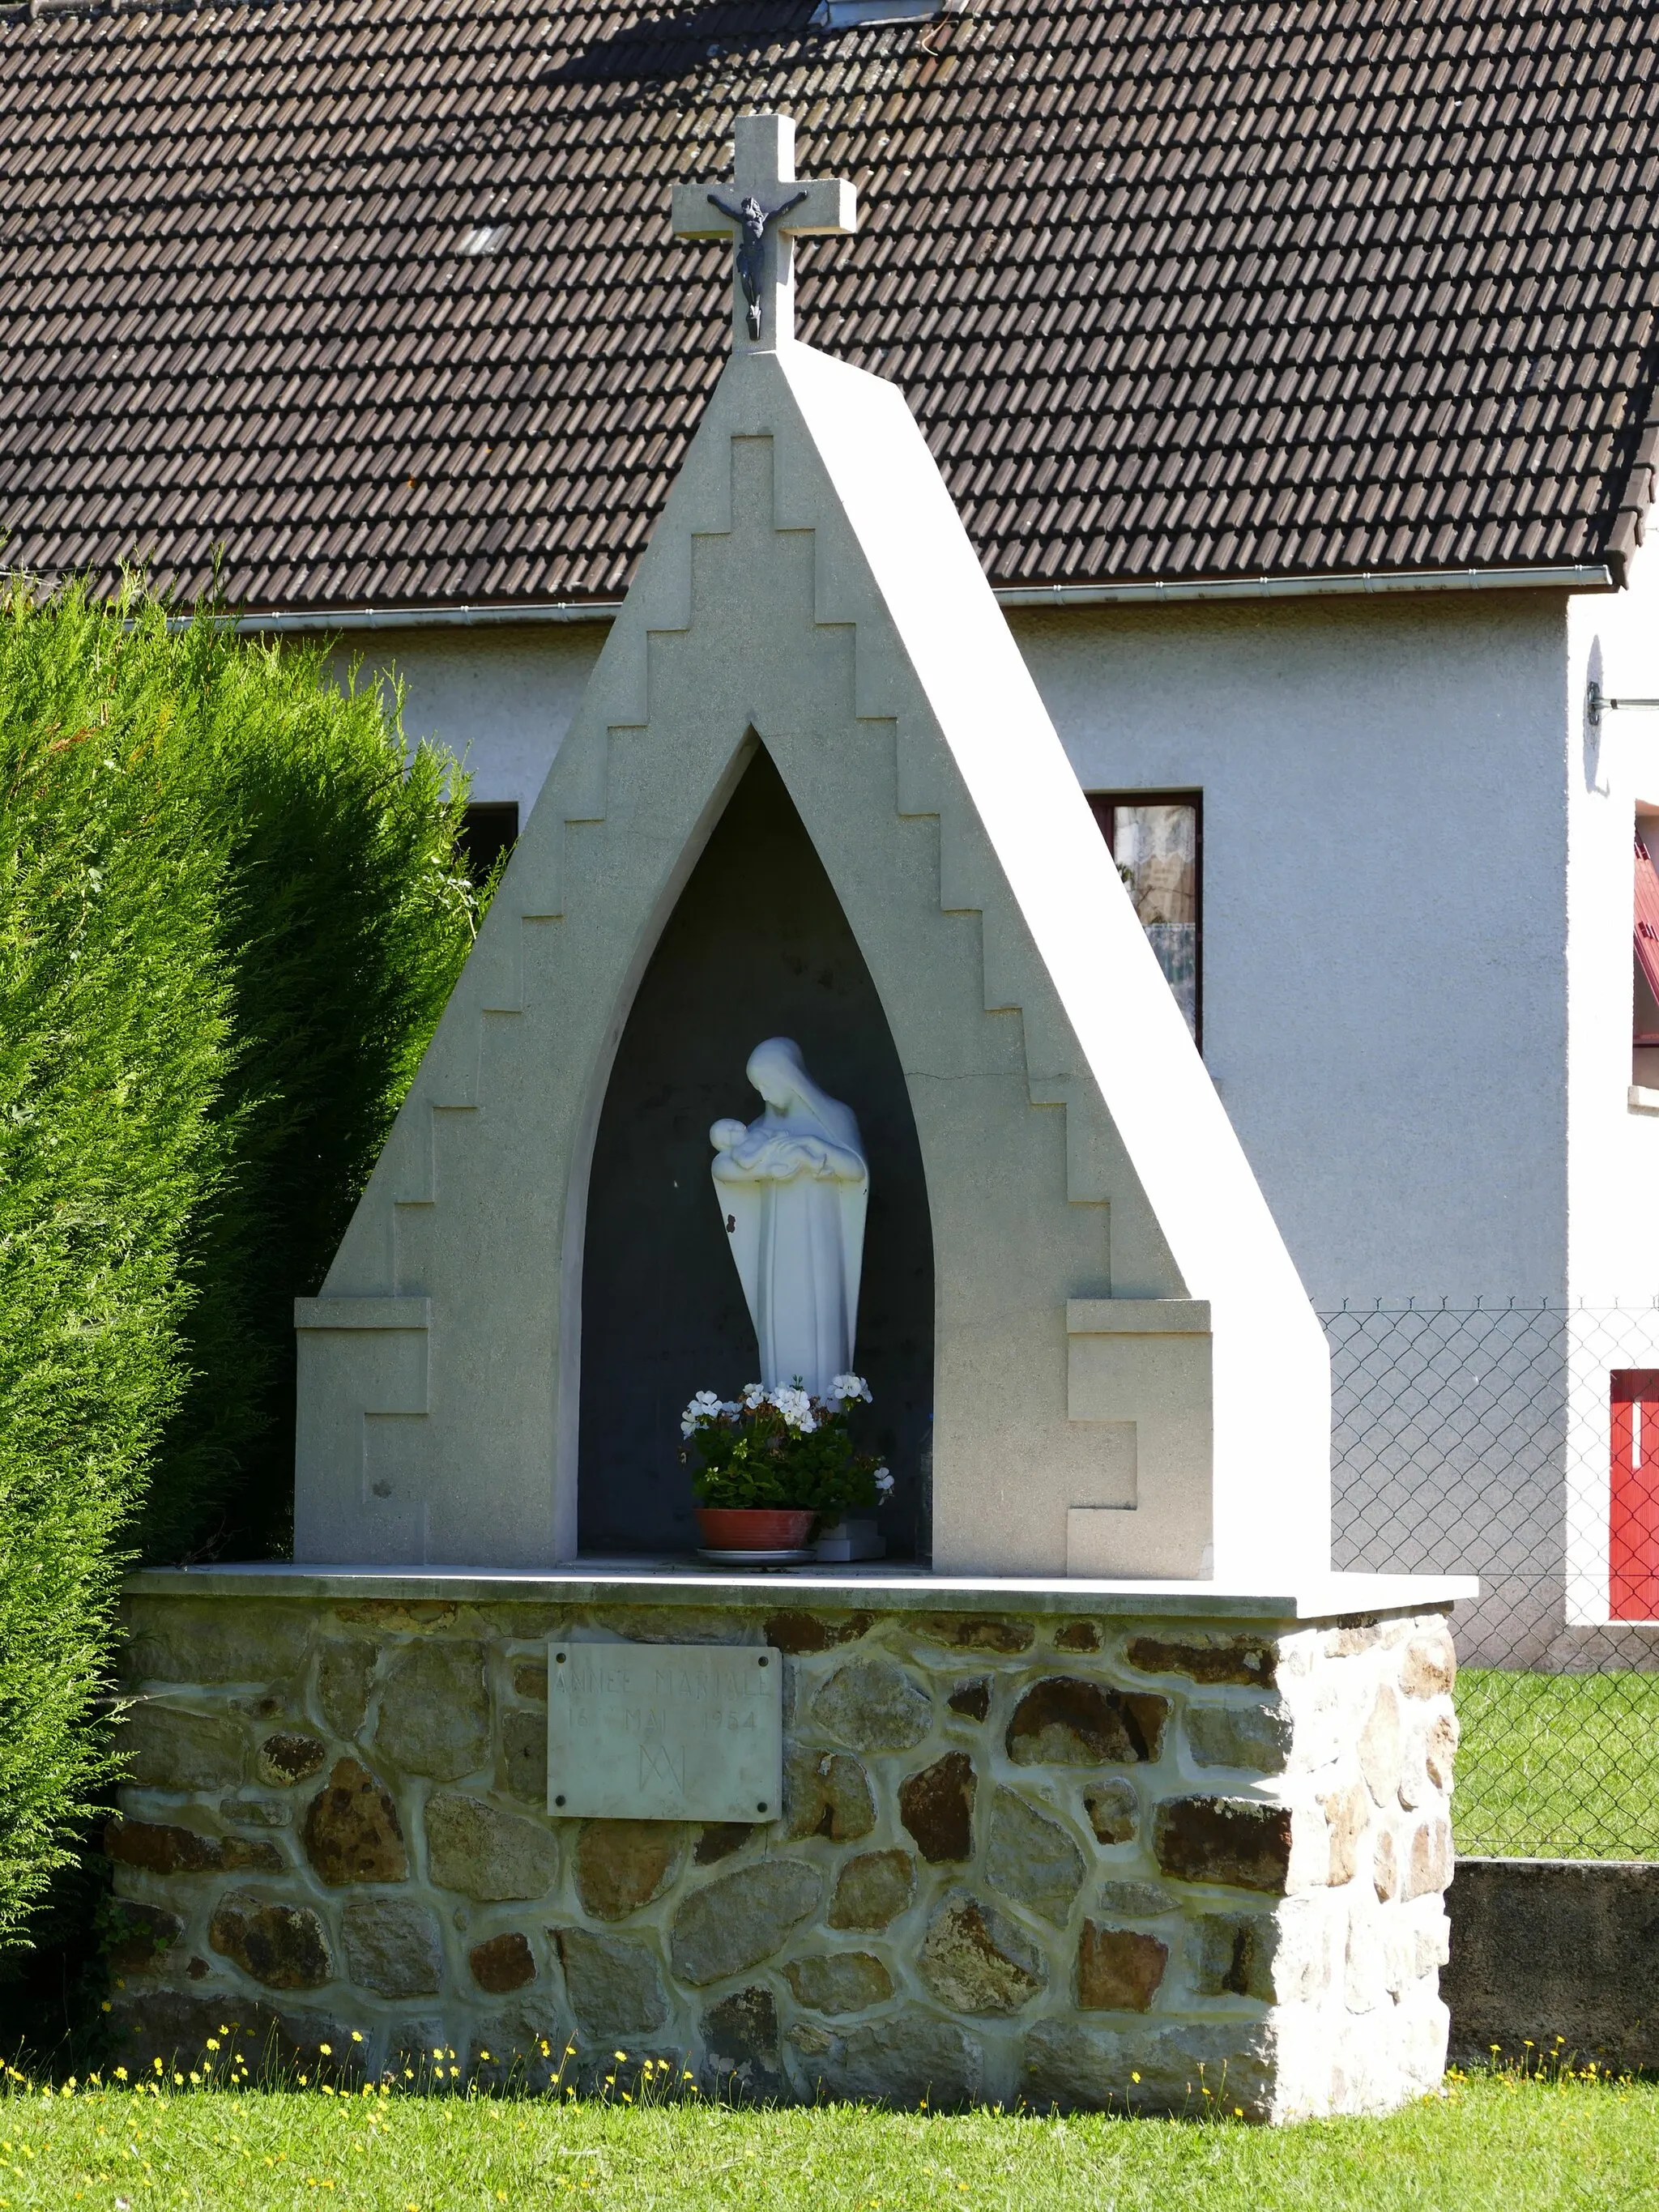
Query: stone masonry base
[{"x": 1083, "y": 1861}]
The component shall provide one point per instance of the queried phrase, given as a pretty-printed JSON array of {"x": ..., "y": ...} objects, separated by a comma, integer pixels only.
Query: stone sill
[
  {"x": 1642, "y": 1099},
  {"x": 670, "y": 1582}
]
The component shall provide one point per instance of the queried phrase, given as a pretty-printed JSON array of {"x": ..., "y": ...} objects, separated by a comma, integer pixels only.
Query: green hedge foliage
[{"x": 231, "y": 910}]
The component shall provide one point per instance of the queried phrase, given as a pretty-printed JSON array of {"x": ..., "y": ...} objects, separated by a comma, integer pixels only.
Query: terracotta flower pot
[{"x": 754, "y": 1528}]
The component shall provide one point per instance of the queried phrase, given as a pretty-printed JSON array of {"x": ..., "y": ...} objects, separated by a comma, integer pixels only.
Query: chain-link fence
[{"x": 1512, "y": 1441}]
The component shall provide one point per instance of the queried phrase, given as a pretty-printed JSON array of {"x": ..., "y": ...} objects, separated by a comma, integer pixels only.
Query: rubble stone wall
[{"x": 1086, "y": 1861}]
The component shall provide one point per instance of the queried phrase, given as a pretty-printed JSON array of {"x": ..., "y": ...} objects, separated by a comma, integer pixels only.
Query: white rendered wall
[
  {"x": 1612, "y": 775},
  {"x": 1612, "y": 1147},
  {"x": 500, "y": 695},
  {"x": 1383, "y": 951},
  {"x": 1384, "y": 930}
]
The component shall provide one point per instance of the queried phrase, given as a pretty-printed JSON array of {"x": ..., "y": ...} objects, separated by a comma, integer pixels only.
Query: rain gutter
[{"x": 1583, "y": 576}]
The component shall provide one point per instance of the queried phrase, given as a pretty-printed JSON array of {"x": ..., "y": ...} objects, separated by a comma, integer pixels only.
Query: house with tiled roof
[{"x": 1291, "y": 363}]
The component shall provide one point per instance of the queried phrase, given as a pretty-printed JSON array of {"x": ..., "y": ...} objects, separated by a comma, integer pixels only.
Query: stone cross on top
[{"x": 763, "y": 209}]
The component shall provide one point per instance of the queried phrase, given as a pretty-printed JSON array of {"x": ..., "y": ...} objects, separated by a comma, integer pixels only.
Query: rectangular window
[
  {"x": 487, "y": 831},
  {"x": 1157, "y": 838},
  {"x": 1633, "y": 1527}
]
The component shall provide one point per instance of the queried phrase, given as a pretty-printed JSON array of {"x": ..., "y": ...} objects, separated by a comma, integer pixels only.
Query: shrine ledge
[{"x": 671, "y": 1581}]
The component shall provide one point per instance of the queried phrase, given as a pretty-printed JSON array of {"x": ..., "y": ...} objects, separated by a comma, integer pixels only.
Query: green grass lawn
[
  {"x": 1551, "y": 1765},
  {"x": 1562, "y": 1766},
  {"x": 1490, "y": 2144}
]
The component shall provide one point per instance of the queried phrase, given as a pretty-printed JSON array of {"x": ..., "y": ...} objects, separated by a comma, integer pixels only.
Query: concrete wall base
[{"x": 1544, "y": 1949}]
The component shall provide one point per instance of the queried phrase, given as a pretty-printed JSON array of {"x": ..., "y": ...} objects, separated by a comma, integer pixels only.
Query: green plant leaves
[{"x": 230, "y": 914}]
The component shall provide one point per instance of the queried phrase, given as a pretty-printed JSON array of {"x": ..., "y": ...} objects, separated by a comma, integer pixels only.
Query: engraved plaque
[{"x": 665, "y": 1732}]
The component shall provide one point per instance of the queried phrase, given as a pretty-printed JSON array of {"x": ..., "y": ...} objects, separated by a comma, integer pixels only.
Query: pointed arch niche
[{"x": 756, "y": 946}]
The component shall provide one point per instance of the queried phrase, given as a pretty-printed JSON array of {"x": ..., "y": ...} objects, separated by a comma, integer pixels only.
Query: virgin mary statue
[{"x": 793, "y": 1186}]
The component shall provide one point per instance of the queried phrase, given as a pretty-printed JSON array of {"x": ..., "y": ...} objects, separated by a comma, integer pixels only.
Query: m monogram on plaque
[{"x": 665, "y": 1732}]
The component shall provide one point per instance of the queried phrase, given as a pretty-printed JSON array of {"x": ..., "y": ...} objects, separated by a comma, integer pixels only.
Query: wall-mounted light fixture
[{"x": 1598, "y": 703}]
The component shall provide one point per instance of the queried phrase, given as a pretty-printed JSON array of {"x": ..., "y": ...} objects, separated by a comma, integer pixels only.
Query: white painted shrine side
[{"x": 1270, "y": 1437}]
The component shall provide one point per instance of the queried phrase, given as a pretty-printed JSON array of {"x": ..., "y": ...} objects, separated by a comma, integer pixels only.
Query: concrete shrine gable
[{"x": 1128, "y": 1380}]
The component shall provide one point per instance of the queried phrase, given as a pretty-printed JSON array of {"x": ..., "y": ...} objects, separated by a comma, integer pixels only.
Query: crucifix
[{"x": 763, "y": 211}]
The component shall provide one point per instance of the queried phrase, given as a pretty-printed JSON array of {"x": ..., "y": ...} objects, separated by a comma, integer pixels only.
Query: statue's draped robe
[{"x": 793, "y": 1192}]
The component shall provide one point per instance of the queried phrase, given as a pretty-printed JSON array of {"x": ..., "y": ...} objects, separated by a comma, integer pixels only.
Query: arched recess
[{"x": 757, "y": 945}]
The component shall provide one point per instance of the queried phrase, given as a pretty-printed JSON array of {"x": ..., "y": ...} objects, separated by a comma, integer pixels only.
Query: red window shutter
[
  {"x": 1634, "y": 1528},
  {"x": 1647, "y": 917}
]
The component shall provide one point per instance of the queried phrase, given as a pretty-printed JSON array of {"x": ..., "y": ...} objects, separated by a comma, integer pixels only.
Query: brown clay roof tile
[{"x": 1175, "y": 290}]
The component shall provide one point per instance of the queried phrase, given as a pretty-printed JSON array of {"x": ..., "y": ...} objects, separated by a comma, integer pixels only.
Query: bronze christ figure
[{"x": 753, "y": 222}]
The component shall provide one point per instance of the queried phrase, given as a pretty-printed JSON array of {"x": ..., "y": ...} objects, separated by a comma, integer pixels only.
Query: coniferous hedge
[{"x": 231, "y": 909}]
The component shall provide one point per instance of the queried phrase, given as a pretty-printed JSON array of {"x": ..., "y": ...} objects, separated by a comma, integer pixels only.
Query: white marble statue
[{"x": 792, "y": 1187}]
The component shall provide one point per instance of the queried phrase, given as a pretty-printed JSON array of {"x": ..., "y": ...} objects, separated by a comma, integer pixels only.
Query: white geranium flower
[
  {"x": 883, "y": 1481},
  {"x": 754, "y": 1395},
  {"x": 705, "y": 1407},
  {"x": 796, "y": 1406},
  {"x": 847, "y": 1387}
]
